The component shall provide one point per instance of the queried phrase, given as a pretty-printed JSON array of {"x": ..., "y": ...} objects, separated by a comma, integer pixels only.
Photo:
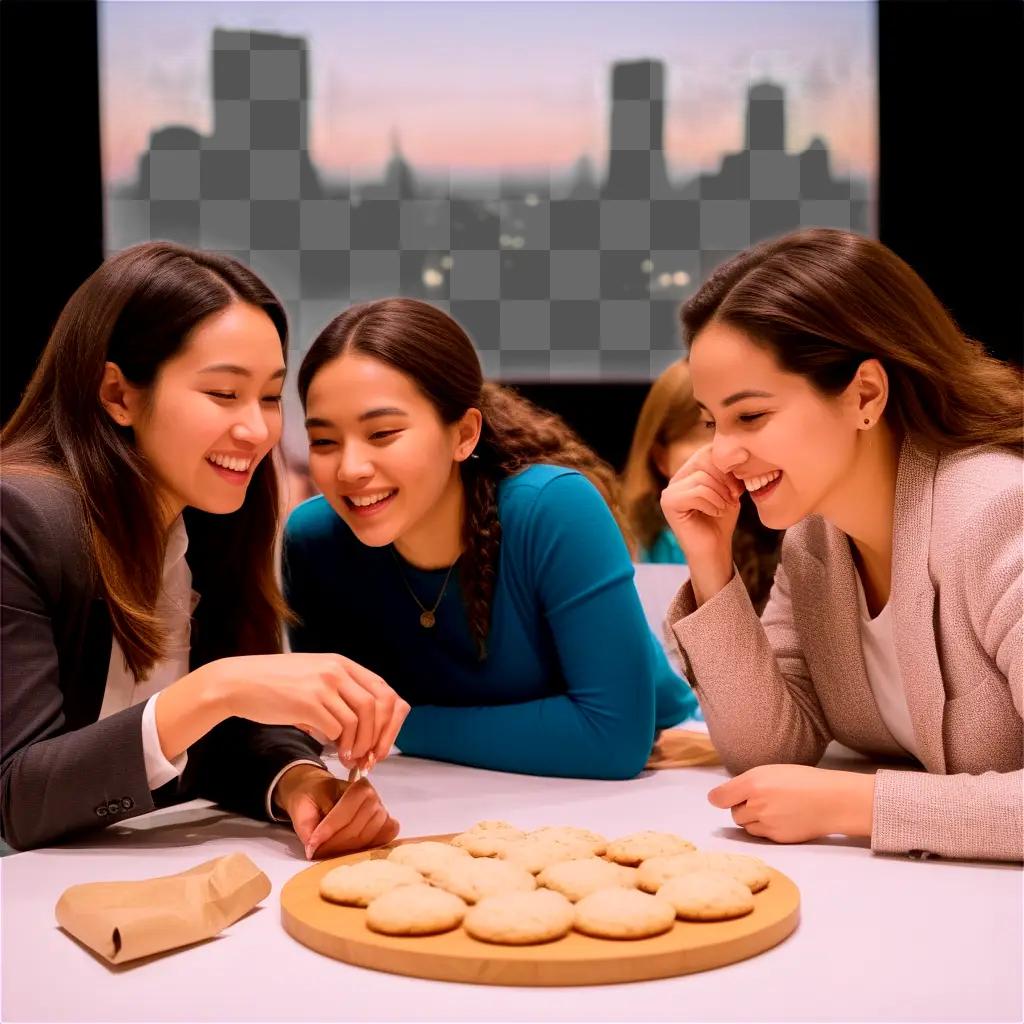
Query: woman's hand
[
  {"x": 701, "y": 505},
  {"x": 331, "y": 817},
  {"x": 333, "y": 695},
  {"x": 792, "y": 803}
]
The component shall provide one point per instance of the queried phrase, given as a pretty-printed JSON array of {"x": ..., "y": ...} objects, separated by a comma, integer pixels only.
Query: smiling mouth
[
  {"x": 365, "y": 504},
  {"x": 759, "y": 486},
  {"x": 231, "y": 464}
]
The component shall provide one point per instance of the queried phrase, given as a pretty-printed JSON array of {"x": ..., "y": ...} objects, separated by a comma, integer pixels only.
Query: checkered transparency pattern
[{"x": 567, "y": 277}]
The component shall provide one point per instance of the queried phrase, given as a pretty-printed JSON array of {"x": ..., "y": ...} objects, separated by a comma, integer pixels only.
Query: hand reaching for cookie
[{"x": 332, "y": 817}]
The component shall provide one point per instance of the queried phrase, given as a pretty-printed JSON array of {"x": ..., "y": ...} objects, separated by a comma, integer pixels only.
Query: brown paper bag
[
  {"x": 681, "y": 748},
  {"x": 127, "y": 920}
]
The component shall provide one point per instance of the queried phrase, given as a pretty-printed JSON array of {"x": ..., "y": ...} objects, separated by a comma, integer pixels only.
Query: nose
[
  {"x": 252, "y": 426},
  {"x": 727, "y": 453},
  {"x": 354, "y": 463}
]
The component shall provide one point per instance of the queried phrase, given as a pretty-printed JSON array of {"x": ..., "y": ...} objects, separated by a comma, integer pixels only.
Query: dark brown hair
[
  {"x": 430, "y": 348},
  {"x": 822, "y": 301},
  {"x": 137, "y": 310}
]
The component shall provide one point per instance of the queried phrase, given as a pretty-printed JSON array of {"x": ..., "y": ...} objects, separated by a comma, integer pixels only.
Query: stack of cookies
[{"x": 505, "y": 885}]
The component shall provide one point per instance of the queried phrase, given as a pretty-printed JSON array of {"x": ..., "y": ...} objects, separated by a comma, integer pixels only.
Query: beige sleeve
[
  {"x": 750, "y": 676},
  {"x": 966, "y": 816}
]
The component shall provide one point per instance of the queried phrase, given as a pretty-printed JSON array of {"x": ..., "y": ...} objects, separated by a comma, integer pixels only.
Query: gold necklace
[{"x": 427, "y": 617}]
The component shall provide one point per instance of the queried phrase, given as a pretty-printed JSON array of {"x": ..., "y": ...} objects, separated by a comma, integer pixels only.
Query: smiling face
[
  {"x": 213, "y": 412},
  {"x": 794, "y": 448},
  {"x": 381, "y": 455}
]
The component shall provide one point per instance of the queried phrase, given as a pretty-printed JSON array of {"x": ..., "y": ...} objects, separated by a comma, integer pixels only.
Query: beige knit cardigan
[{"x": 779, "y": 689}]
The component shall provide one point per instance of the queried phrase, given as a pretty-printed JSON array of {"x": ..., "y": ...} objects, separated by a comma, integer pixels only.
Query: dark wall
[
  {"x": 50, "y": 185},
  {"x": 951, "y": 86},
  {"x": 951, "y": 110}
]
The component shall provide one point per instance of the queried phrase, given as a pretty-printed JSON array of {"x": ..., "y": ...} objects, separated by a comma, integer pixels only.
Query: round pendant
[{"x": 427, "y": 620}]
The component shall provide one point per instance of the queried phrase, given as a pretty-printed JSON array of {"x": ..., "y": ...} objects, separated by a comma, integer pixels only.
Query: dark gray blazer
[{"x": 62, "y": 771}]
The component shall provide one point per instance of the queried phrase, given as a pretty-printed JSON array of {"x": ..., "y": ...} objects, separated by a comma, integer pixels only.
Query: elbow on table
[
  {"x": 621, "y": 762},
  {"x": 736, "y": 762}
]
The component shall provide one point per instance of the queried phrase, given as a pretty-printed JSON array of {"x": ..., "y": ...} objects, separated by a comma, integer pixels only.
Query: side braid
[
  {"x": 516, "y": 433},
  {"x": 481, "y": 544}
]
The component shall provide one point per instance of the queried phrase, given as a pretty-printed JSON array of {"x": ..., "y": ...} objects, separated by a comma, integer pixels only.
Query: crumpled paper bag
[
  {"x": 126, "y": 920},
  {"x": 681, "y": 748}
]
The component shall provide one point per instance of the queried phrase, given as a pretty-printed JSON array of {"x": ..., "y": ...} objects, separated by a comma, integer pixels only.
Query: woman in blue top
[{"x": 463, "y": 547}]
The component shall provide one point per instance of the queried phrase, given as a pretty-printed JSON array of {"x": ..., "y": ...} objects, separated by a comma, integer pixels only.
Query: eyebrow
[
  {"x": 738, "y": 397},
  {"x": 371, "y": 414},
  {"x": 240, "y": 371}
]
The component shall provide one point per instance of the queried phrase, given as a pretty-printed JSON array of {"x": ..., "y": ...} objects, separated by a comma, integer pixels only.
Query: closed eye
[
  {"x": 750, "y": 417},
  {"x": 224, "y": 395},
  {"x": 272, "y": 399},
  {"x": 382, "y": 435}
]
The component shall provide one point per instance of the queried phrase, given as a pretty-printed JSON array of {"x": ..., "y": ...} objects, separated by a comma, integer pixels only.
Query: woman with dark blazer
[{"x": 141, "y": 631}]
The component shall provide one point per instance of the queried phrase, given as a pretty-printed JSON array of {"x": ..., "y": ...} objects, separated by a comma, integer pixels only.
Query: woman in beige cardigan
[{"x": 840, "y": 394}]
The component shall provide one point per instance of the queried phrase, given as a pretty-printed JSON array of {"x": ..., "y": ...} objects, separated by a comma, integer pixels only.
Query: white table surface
[{"x": 880, "y": 939}]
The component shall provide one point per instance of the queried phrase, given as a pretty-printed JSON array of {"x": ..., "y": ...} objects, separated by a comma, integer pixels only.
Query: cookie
[
  {"x": 474, "y": 879},
  {"x": 415, "y": 910},
  {"x": 567, "y": 833},
  {"x": 619, "y": 913},
  {"x": 639, "y": 846},
  {"x": 656, "y": 871},
  {"x": 707, "y": 896},
  {"x": 428, "y": 856},
  {"x": 356, "y": 885},
  {"x": 520, "y": 918},
  {"x": 486, "y": 842},
  {"x": 537, "y": 854},
  {"x": 575, "y": 879}
]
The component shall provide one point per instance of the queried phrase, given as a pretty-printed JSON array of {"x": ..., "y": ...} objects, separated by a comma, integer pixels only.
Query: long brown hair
[
  {"x": 668, "y": 414},
  {"x": 136, "y": 310},
  {"x": 430, "y": 348},
  {"x": 822, "y": 301}
]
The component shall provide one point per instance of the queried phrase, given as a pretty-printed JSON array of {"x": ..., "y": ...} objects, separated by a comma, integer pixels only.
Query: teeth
[
  {"x": 229, "y": 462},
  {"x": 369, "y": 499},
  {"x": 755, "y": 483}
]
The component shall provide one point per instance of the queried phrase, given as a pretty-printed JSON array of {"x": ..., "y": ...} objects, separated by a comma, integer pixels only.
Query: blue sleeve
[
  {"x": 306, "y": 632},
  {"x": 580, "y": 573}
]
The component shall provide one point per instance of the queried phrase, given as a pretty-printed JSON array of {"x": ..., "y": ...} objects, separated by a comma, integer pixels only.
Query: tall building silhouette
[
  {"x": 636, "y": 159},
  {"x": 766, "y": 117}
]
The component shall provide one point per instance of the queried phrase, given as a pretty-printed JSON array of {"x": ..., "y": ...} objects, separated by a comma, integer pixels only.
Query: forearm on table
[
  {"x": 961, "y": 816},
  {"x": 759, "y": 706},
  {"x": 84, "y": 779},
  {"x": 550, "y": 736}
]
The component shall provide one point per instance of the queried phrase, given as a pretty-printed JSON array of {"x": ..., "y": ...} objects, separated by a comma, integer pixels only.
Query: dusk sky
[{"x": 481, "y": 87}]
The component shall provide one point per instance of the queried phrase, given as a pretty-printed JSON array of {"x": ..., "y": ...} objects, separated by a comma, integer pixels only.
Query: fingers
[
  {"x": 305, "y": 818},
  {"x": 743, "y": 815},
  {"x": 758, "y": 828},
  {"x": 391, "y": 729},
  {"x": 730, "y": 793},
  {"x": 353, "y": 826},
  {"x": 340, "y": 816},
  {"x": 363, "y": 727},
  {"x": 701, "y": 462}
]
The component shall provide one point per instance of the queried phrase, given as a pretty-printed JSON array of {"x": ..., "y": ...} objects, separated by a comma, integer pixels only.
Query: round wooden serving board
[{"x": 341, "y": 932}]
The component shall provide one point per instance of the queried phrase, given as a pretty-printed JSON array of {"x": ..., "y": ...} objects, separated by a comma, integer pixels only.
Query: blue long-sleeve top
[{"x": 574, "y": 683}]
